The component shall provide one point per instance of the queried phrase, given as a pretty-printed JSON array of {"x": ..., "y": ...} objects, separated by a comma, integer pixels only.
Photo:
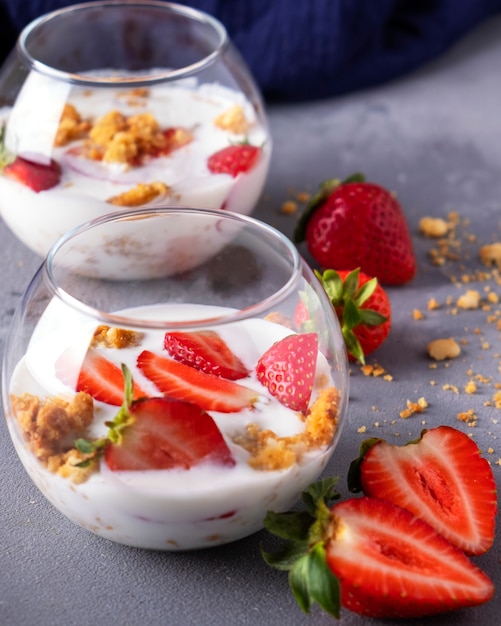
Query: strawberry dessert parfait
[
  {"x": 92, "y": 135},
  {"x": 172, "y": 413}
]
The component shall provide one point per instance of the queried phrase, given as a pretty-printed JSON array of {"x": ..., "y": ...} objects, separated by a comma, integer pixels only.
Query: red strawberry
[
  {"x": 35, "y": 175},
  {"x": 362, "y": 307},
  {"x": 358, "y": 224},
  {"x": 97, "y": 376},
  {"x": 235, "y": 159},
  {"x": 441, "y": 478},
  {"x": 183, "y": 382},
  {"x": 162, "y": 433},
  {"x": 287, "y": 369},
  {"x": 372, "y": 557},
  {"x": 205, "y": 350}
]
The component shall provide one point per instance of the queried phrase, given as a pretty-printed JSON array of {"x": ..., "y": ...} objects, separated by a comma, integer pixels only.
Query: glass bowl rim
[
  {"x": 254, "y": 310},
  {"x": 84, "y": 80}
]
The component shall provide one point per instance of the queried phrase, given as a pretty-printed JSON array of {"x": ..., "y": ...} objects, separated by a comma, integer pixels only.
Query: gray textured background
[{"x": 433, "y": 137}]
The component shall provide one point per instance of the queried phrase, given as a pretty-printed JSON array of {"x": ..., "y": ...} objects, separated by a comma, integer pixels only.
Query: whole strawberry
[
  {"x": 355, "y": 223},
  {"x": 362, "y": 307}
]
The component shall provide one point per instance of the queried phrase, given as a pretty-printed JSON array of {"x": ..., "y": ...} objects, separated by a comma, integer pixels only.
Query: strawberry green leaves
[
  {"x": 363, "y": 309},
  {"x": 303, "y": 554}
]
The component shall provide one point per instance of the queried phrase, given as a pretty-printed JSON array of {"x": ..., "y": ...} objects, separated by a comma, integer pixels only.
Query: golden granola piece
[
  {"x": 142, "y": 193},
  {"x": 270, "y": 452},
  {"x": 441, "y": 349},
  {"x": 71, "y": 126},
  {"x": 107, "y": 127},
  {"x": 50, "y": 425},
  {"x": 469, "y": 300},
  {"x": 122, "y": 148},
  {"x": 490, "y": 254},
  {"x": 73, "y": 465},
  {"x": 233, "y": 120},
  {"x": 433, "y": 227},
  {"x": 113, "y": 337}
]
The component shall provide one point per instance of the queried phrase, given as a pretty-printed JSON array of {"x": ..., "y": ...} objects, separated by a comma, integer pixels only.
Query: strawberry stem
[
  {"x": 324, "y": 191},
  {"x": 303, "y": 554},
  {"x": 348, "y": 299},
  {"x": 123, "y": 418}
]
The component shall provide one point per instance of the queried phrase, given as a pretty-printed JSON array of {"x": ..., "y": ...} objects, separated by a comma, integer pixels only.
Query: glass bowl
[
  {"x": 173, "y": 412},
  {"x": 114, "y": 105}
]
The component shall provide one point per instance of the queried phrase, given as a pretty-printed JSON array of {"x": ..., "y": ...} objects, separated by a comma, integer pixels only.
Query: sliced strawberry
[
  {"x": 163, "y": 434},
  {"x": 235, "y": 159},
  {"x": 35, "y": 175},
  {"x": 392, "y": 564},
  {"x": 372, "y": 557},
  {"x": 183, "y": 382},
  {"x": 207, "y": 351},
  {"x": 287, "y": 369},
  {"x": 97, "y": 376},
  {"x": 441, "y": 478}
]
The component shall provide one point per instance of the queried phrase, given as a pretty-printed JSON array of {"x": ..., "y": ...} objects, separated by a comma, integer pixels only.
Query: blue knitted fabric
[{"x": 309, "y": 49}]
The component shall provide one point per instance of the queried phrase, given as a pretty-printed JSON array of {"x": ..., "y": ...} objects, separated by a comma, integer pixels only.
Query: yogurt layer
[
  {"x": 176, "y": 509},
  {"x": 34, "y": 129}
]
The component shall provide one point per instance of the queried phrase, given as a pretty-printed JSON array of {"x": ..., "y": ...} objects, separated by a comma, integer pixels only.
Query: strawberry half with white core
[
  {"x": 159, "y": 433},
  {"x": 207, "y": 351},
  {"x": 287, "y": 370},
  {"x": 100, "y": 378},
  {"x": 373, "y": 558},
  {"x": 441, "y": 477},
  {"x": 184, "y": 382}
]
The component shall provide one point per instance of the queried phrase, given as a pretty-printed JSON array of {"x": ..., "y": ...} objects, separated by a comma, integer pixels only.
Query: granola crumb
[
  {"x": 469, "y": 300},
  {"x": 414, "y": 407},
  {"x": 433, "y": 227},
  {"x": 470, "y": 387},
  {"x": 141, "y": 194},
  {"x": 51, "y": 425},
  {"x": 490, "y": 254},
  {"x": 441, "y": 349},
  {"x": 289, "y": 207},
  {"x": 234, "y": 120},
  {"x": 469, "y": 417},
  {"x": 270, "y": 452},
  {"x": 303, "y": 197},
  {"x": 113, "y": 337}
]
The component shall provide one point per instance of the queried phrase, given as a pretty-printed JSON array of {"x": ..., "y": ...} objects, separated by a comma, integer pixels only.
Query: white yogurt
[
  {"x": 39, "y": 219},
  {"x": 170, "y": 509}
]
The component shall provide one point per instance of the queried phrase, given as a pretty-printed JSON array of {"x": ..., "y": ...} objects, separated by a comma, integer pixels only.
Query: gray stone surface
[{"x": 435, "y": 138}]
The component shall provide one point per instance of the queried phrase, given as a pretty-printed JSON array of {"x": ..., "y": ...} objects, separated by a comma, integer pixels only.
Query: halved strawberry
[
  {"x": 163, "y": 433},
  {"x": 183, "y": 382},
  {"x": 234, "y": 159},
  {"x": 287, "y": 369},
  {"x": 96, "y": 375},
  {"x": 372, "y": 557},
  {"x": 441, "y": 478},
  {"x": 207, "y": 351},
  {"x": 33, "y": 174}
]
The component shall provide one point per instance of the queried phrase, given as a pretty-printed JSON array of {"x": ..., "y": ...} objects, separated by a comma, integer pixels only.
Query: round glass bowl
[
  {"x": 172, "y": 411},
  {"x": 114, "y": 105}
]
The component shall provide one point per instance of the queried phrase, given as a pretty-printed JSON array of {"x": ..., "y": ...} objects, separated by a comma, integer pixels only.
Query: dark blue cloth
[{"x": 308, "y": 49}]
